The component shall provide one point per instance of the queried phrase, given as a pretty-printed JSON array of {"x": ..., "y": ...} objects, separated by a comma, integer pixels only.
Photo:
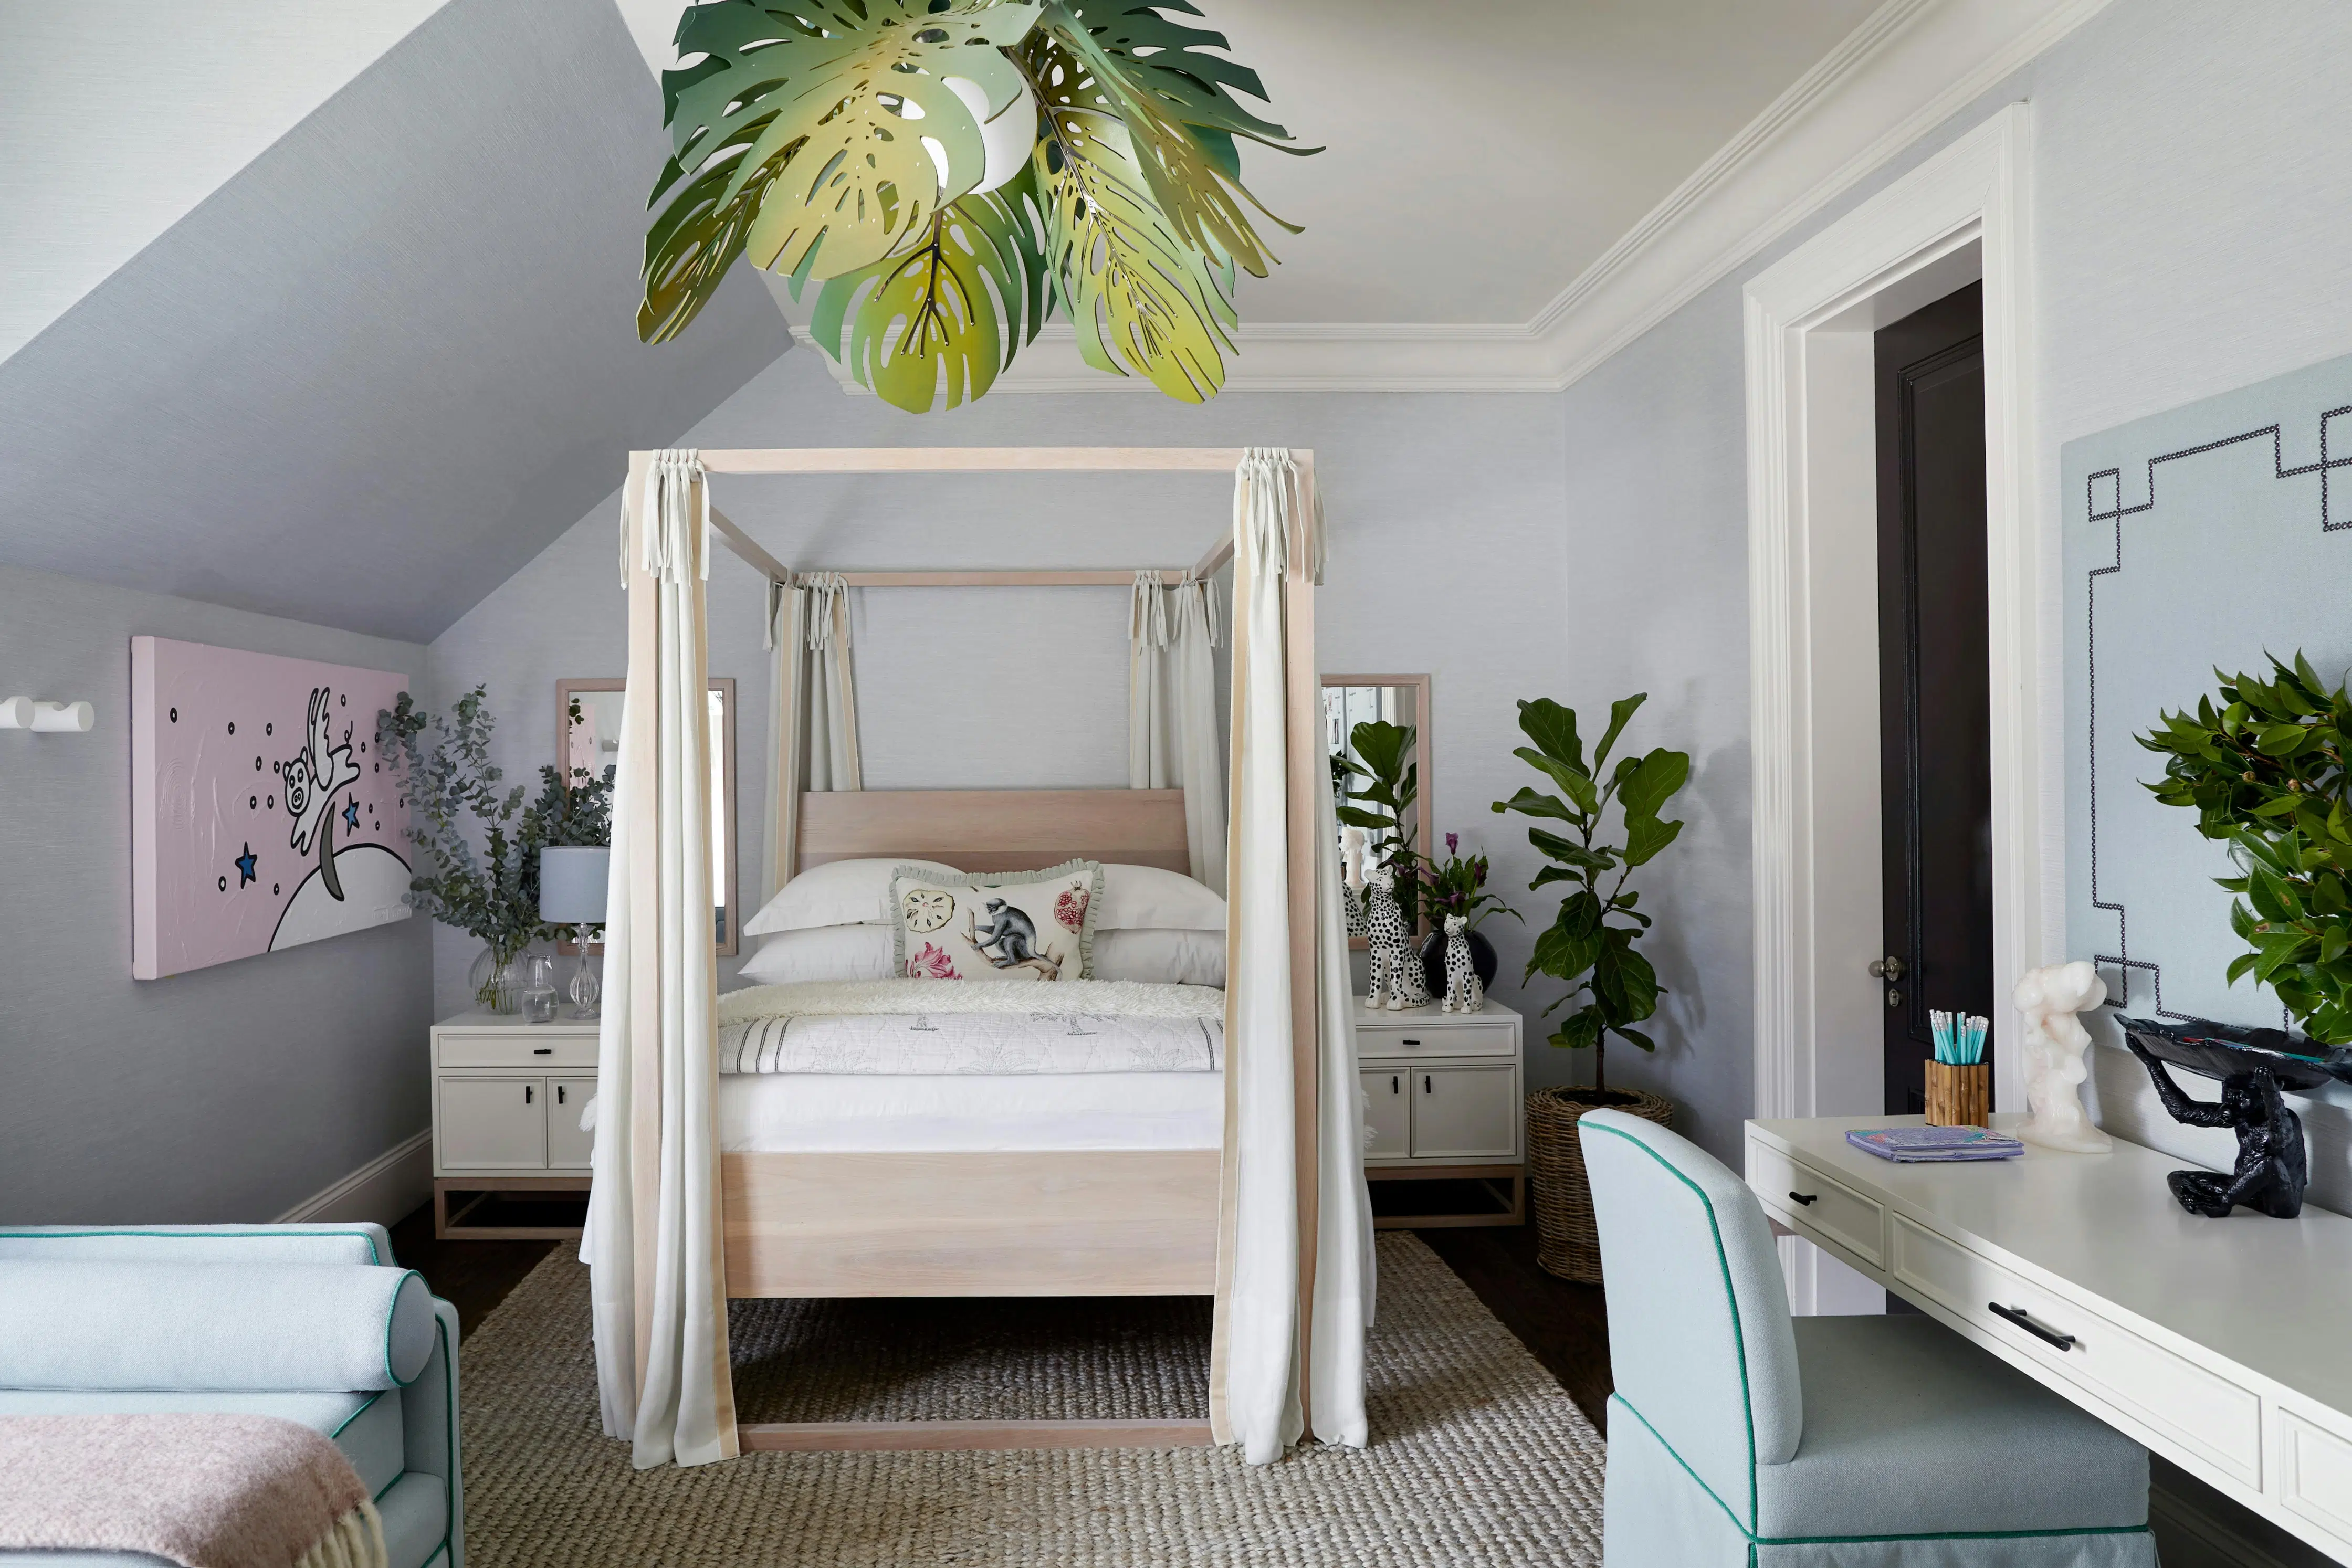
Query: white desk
[{"x": 2223, "y": 1345}]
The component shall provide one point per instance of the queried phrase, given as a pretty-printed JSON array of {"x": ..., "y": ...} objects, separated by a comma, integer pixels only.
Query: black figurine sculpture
[{"x": 2272, "y": 1169}]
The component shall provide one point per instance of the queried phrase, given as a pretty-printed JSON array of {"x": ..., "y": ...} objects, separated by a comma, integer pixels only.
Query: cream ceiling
[{"x": 1478, "y": 154}]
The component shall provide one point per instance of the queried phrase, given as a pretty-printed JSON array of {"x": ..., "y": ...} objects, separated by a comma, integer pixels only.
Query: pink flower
[
  {"x": 1453, "y": 843},
  {"x": 1070, "y": 909},
  {"x": 932, "y": 964}
]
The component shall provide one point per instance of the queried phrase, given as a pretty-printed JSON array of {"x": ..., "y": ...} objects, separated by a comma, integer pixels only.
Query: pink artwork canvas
[{"x": 262, "y": 815}]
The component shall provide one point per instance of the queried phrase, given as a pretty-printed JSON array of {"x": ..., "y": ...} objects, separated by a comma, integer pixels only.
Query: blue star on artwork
[
  {"x": 244, "y": 864},
  {"x": 351, "y": 816}
]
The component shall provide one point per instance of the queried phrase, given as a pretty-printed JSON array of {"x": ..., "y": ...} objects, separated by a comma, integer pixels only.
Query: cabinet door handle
[
  {"x": 2017, "y": 1315},
  {"x": 1396, "y": 1083},
  {"x": 559, "y": 1093},
  {"x": 1807, "y": 1199},
  {"x": 526, "y": 1093},
  {"x": 1426, "y": 1086}
]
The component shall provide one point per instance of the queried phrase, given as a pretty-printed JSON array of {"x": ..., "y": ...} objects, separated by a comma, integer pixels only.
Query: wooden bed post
[{"x": 1303, "y": 755}]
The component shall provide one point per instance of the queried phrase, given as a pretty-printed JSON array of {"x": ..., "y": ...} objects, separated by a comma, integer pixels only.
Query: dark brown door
[{"x": 1935, "y": 734}]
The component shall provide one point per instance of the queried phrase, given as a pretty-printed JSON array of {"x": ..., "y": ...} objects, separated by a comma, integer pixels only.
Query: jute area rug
[{"x": 1477, "y": 1457}]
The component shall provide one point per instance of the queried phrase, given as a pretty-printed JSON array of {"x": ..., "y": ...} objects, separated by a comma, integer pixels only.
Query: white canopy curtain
[
  {"x": 653, "y": 1240},
  {"x": 1171, "y": 710},
  {"x": 812, "y": 709},
  {"x": 1290, "y": 1220}
]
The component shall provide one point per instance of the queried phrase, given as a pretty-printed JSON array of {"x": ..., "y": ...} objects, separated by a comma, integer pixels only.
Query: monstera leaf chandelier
[{"x": 950, "y": 171}]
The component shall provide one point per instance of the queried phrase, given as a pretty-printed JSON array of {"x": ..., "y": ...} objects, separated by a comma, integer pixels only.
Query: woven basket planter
[{"x": 1569, "y": 1243}]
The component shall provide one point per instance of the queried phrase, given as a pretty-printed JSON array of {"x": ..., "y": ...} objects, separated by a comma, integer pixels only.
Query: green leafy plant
[
  {"x": 2264, "y": 769},
  {"x": 491, "y": 892},
  {"x": 1590, "y": 945},
  {"x": 845, "y": 141},
  {"x": 1457, "y": 885},
  {"x": 1386, "y": 751}
]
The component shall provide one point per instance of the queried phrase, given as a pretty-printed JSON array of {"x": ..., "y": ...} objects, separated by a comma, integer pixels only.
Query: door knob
[{"x": 1889, "y": 969}]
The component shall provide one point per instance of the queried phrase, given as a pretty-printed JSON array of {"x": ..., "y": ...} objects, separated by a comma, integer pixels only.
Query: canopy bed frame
[{"x": 1123, "y": 1222}]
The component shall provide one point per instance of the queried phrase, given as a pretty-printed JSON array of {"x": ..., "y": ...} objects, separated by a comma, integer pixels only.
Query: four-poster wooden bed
[{"x": 949, "y": 1223}]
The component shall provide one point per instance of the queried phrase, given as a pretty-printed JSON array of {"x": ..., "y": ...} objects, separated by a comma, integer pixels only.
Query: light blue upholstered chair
[
  {"x": 238, "y": 1326},
  {"x": 1740, "y": 1438}
]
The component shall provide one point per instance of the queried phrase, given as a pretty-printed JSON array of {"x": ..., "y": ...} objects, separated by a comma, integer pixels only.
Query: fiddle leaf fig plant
[
  {"x": 950, "y": 172},
  {"x": 1590, "y": 945},
  {"x": 1387, "y": 753},
  {"x": 2264, "y": 769}
]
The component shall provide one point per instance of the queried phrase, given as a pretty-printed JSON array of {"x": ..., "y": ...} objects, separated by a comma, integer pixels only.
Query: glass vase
[
  {"x": 538, "y": 988},
  {"x": 496, "y": 983}
]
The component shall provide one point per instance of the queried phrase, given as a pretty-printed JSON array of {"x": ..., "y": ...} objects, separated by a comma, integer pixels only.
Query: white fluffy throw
[{"x": 1126, "y": 999}]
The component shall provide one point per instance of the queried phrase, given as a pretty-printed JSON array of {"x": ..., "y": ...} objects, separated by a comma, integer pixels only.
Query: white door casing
[{"x": 1812, "y": 546}]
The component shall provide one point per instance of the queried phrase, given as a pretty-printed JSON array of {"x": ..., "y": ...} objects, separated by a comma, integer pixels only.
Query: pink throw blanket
[{"x": 203, "y": 1491}]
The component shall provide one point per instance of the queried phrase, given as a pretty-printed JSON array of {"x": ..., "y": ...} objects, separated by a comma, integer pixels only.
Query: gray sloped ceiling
[{"x": 392, "y": 358}]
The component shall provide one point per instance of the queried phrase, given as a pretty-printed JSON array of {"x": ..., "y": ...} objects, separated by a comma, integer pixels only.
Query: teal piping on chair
[
  {"x": 1755, "y": 1540},
  {"x": 1738, "y": 1338}
]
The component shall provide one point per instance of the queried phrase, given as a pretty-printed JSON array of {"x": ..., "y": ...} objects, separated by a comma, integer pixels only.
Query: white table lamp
[{"x": 572, "y": 883}]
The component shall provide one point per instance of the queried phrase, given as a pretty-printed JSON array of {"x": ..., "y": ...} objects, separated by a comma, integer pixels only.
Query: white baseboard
[{"x": 386, "y": 1189}]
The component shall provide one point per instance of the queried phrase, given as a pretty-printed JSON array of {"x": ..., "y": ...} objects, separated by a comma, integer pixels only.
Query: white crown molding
[{"x": 1910, "y": 66}]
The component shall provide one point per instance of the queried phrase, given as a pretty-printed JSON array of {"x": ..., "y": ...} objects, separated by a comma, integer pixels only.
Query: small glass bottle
[{"x": 538, "y": 988}]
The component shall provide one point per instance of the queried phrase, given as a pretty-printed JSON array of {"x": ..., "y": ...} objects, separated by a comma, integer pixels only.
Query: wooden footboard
[{"x": 1088, "y": 1223}]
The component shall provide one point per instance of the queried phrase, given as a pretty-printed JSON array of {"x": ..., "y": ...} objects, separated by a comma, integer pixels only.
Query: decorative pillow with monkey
[{"x": 1010, "y": 926}]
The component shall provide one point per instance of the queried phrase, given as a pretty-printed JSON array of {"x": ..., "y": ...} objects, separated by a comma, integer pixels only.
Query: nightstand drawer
[
  {"x": 1423, "y": 1038},
  {"x": 2196, "y": 1408},
  {"x": 547, "y": 1046}
]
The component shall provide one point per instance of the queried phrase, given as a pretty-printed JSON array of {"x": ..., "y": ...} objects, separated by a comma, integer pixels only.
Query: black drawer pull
[
  {"x": 2017, "y": 1315},
  {"x": 1807, "y": 1199},
  {"x": 542, "y": 1051},
  {"x": 1407, "y": 1042}
]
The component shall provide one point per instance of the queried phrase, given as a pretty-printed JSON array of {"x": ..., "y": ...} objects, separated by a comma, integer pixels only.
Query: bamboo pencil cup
[{"x": 1959, "y": 1096}]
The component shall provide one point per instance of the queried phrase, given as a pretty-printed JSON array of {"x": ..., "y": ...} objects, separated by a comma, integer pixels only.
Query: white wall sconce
[{"x": 26, "y": 713}]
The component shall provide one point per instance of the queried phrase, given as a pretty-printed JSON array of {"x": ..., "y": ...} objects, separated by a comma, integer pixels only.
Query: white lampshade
[{"x": 572, "y": 881}]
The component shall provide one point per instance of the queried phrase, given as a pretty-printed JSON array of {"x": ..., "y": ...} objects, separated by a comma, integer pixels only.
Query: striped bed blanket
[{"x": 932, "y": 1029}]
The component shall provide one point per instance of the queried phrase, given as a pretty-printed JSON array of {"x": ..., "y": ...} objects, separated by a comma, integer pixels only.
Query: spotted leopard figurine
[
  {"x": 1462, "y": 991},
  {"x": 1397, "y": 983}
]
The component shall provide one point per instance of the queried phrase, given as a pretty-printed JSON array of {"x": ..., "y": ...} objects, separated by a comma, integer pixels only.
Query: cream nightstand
[
  {"x": 1445, "y": 1104},
  {"x": 506, "y": 1098}
]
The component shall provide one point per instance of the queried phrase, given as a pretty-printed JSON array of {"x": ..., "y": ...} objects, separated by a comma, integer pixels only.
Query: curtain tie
[
  {"x": 828, "y": 619},
  {"x": 675, "y": 513}
]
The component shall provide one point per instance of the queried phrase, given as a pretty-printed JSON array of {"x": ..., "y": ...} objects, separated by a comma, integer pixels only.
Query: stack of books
[{"x": 1932, "y": 1145}]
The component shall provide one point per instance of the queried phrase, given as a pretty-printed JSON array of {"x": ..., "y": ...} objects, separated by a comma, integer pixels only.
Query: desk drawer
[
  {"x": 2198, "y": 1409},
  {"x": 2315, "y": 1475},
  {"x": 1420, "y": 1039},
  {"x": 1854, "y": 1222},
  {"x": 519, "y": 1047}
]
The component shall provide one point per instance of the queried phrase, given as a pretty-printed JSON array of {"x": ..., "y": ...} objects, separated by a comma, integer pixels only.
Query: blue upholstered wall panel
[{"x": 2202, "y": 537}]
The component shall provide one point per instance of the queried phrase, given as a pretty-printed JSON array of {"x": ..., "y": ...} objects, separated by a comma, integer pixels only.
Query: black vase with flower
[{"x": 1457, "y": 885}]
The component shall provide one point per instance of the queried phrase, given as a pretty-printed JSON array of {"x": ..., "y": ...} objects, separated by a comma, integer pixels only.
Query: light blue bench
[{"x": 399, "y": 1435}]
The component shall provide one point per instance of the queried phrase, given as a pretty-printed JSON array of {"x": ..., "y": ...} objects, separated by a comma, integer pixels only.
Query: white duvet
[{"x": 940, "y": 1065}]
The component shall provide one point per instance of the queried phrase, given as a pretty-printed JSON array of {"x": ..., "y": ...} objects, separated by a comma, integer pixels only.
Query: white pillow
[
  {"x": 1145, "y": 897},
  {"x": 838, "y": 893},
  {"x": 1161, "y": 956},
  {"x": 824, "y": 953}
]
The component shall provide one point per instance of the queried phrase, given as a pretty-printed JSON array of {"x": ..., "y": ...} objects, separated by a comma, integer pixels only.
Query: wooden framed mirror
[
  {"x": 594, "y": 744},
  {"x": 1351, "y": 702}
]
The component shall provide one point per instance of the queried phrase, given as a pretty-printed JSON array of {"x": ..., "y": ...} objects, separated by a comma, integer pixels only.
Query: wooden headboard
[{"x": 995, "y": 829}]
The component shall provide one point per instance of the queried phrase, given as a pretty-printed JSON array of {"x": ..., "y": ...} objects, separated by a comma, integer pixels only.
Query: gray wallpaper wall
[
  {"x": 2191, "y": 236},
  {"x": 230, "y": 1093},
  {"x": 1446, "y": 556}
]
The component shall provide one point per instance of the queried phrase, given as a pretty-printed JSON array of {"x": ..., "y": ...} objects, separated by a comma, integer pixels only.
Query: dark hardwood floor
[{"x": 1565, "y": 1326}]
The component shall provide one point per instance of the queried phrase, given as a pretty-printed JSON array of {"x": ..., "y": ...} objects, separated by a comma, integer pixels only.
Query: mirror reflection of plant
[
  {"x": 1582, "y": 948},
  {"x": 1457, "y": 885},
  {"x": 452, "y": 785},
  {"x": 2265, "y": 772},
  {"x": 1386, "y": 753}
]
